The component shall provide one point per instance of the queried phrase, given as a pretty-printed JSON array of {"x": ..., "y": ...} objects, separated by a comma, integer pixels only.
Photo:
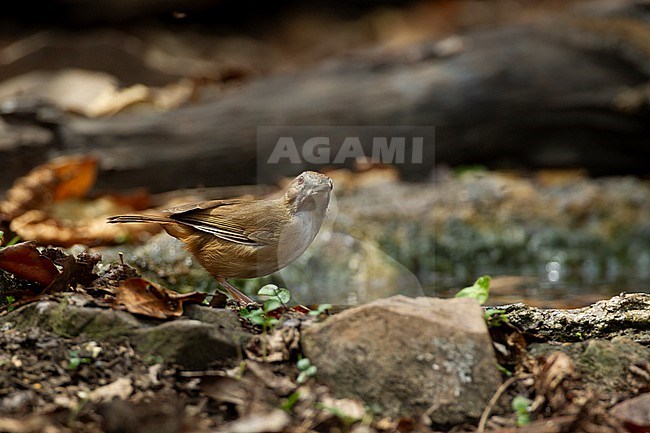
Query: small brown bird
[{"x": 241, "y": 238}]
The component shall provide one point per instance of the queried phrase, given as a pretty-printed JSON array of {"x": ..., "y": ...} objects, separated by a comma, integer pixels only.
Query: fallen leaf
[
  {"x": 246, "y": 394},
  {"x": 282, "y": 385},
  {"x": 274, "y": 421},
  {"x": 140, "y": 296},
  {"x": 120, "y": 388},
  {"x": 25, "y": 261},
  {"x": 75, "y": 176},
  {"x": 224, "y": 389},
  {"x": 113, "y": 100},
  {"x": 74, "y": 270},
  {"x": 70, "y": 89},
  {"x": 555, "y": 382},
  {"x": 37, "y": 225},
  {"x": 24, "y": 425},
  {"x": 64, "y": 177},
  {"x": 300, "y": 309},
  {"x": 351, "y": 409}
]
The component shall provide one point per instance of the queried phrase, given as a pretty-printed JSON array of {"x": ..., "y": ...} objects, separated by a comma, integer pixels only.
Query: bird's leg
[{"x": 236, "y": 294}]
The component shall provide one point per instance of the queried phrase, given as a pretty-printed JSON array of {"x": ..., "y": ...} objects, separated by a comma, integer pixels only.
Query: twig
[{"x": 493, "y": 402}]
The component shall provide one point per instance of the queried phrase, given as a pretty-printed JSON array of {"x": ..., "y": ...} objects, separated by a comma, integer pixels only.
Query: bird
[{"x": 247, "y": 238}]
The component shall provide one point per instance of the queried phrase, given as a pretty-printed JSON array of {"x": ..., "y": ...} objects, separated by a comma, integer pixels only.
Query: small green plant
[
  {"x": 307, "y": 370},
  {"x": 495, "y": 317},
  {"x": 276, "y": 298},
  {"x": 75, "y": 360},
  {"x": 13, "y": 241},
  {"x": 260, "y": 316},
  {"x": 521, "y": 406},
  {"x": 480, "y": 290},
  {"x": 504, "y": 370},
  {"x": 273, "y": 292},
  {"x": 322, "y": 308},
  {"x": 288, "y": 404},
  {"x": 8, "y": 300}
]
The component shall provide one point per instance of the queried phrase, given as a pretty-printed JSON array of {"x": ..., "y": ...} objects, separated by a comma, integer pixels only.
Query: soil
[{"x": 48, "y": 384}]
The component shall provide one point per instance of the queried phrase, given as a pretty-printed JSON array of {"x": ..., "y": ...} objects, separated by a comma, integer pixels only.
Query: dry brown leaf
[
  {"x": 113, "y": 100},
  {"x": 224, "y": 389},
  {"x": 64, "y": 177},
  {"x": 140, "y": 296},
  {"x": 71, "y": 89},
  {"x": 67, "y": 230},
  {"x": 46, "y": 206},
  {"x": 247, "y": 394},
  {"x": 282, "y": 385},
  {"x": 121, "y": 388},
  {"x": 25, "y": 261},
  {"x": 557, "y": 368},
  {"x": 74, "y": 270},
  {"x": 556, "y": 382},
  {"x": 75, "y": 176},
  {"x": 261, "y": 422}
]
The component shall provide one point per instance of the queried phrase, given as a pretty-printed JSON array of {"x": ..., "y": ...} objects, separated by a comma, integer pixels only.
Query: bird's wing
[
  {"x": 231, "y": 220},
  {"x": 202, "y": 205}
]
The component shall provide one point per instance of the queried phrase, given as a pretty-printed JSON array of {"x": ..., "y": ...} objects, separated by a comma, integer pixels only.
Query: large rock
[
  {"x": 205, "y": 337},
  {"x": 635, "y": 413},
  {"x": 414, "y": 357},
  {"x": 193, "y": 344}
]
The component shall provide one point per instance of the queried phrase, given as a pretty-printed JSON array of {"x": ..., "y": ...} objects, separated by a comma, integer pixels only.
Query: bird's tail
[{"x": 135, "y": 218}]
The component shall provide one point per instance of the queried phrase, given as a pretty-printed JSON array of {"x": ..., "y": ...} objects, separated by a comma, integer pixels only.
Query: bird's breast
[{"x": 296, "y": 236}]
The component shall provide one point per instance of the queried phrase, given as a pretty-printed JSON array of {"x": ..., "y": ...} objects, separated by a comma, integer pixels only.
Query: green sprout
[
  {"x": 521, "y": 406},
  {"x": 307, "y": 370},
  {"x": 260, "y": 316},
  {"x": 504, "y": 370},
  {"x": 13, "y": 241},
  {"x": 272, "y": 292},
  {"x": 290, "y": 402},
  {"x": 322, "y": 308},
  {"x": 495, "y": 317},
  {"x": 276, "y": 298},
  {"x": 480, "y": 290},
  {"x": 76, "y": 360}
]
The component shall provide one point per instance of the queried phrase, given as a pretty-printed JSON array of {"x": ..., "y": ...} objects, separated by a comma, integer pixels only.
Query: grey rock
[
  {"x": 626, "y": 315},
  {"x": 71, "y": 320},
  {"x": 195, "y": 344},
  {"x": 224, "y": 319},
  {"x": 413, "y": 357},
  {"x": 191, "y": 343}
]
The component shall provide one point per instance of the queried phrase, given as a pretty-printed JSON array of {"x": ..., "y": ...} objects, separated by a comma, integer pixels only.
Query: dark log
[{"x": 556, "y": 94}]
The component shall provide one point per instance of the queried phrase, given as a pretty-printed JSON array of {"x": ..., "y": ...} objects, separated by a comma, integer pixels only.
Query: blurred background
[{"x": 538, "y": 175}]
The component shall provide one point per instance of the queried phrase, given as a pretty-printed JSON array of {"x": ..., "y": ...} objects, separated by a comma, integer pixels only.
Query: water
[{"x": 539, "y": 291}]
